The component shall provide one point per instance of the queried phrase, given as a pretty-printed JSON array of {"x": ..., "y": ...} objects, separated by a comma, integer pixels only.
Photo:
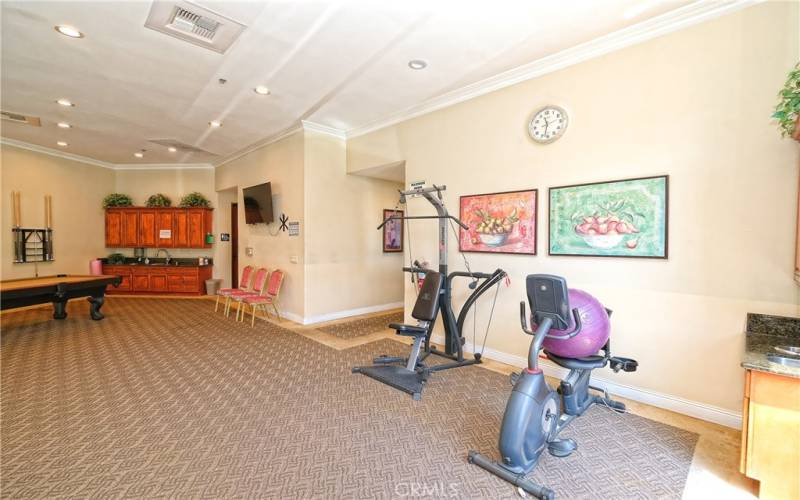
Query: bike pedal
[{"x": 562, "y": 447}]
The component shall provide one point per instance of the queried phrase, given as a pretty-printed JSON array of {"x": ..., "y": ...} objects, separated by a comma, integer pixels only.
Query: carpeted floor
[
  {"x": 363, "y": 326},
  {"x": 167, "y": 399}
]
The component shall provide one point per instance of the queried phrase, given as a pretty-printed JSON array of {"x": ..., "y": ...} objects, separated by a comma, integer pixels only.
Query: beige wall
[
  {"x": 78, "y": 221},
  {"x": 280, "y": 163},
  {"x": 694, "y": 104},
  {"x": 346, "y": 268}
]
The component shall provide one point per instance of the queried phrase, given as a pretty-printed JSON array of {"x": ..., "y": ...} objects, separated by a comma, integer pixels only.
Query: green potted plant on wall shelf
[
  {"x": 195, "y": 199},
  {"x": 117, "y": 200},
  {"x": 787, "y": 112},
  {"x": 158, "y": 200}
]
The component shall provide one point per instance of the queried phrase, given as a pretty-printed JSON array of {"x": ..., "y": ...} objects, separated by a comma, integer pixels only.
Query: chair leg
[
  {"x": 252, "y": 315},
  {"x": 227, "y": 306},
  {"x": 216, "y": 304},
  {"x": 277, "y": 311}
]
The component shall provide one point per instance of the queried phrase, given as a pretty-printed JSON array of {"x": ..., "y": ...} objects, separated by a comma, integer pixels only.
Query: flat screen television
[{"x": 258, "y": 204}]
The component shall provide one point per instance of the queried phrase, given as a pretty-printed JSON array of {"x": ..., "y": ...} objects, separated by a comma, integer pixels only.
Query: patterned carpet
[
  {"x": 164, "y": 398},
  {"x": 364, "y": 326}
]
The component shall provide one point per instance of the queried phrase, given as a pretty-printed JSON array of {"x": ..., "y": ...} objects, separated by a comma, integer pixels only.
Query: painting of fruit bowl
[
  {"x": 499, "y": 222},
  {"x": 610, "y": 219}
]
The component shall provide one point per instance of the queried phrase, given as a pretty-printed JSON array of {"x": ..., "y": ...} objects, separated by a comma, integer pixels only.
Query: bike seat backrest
[
  {"x": 427, "y": 304},
  {"x": 548, "y": 298}
]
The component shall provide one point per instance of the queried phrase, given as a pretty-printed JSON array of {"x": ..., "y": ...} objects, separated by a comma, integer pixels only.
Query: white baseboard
[
  {"x": 695, "y": 409},
  {"x": 345, "y": 314}
]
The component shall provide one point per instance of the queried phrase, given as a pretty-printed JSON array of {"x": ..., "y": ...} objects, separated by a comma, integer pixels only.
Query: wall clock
[{"x": 548, "y": 124}]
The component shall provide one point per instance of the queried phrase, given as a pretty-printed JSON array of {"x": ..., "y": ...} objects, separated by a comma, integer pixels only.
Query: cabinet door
[
  {"x": 174, "y": 283},
  {"x": 180, "y": 229},
  {"x": 190, "y": 284},
  {"x": 141, "y": 282},
  {"x": 164, "y": 228},
  {"x": 208, "y": 226},
  {"x": 158, "y": 282},
  {"x": 197, "y": 237},
  {"x": 147, "y": 228},
  {"x": 113, "y": 228},
  {"x": 124, "y": 285},
  {"x": 130, "y": 228}
]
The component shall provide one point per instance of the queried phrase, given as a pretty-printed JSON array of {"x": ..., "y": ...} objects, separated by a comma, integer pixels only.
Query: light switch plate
[
  {"x": 248, "y": 251},
  {"x": 293, "y": 259}
]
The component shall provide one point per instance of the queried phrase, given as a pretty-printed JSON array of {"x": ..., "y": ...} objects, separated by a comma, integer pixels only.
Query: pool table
[{"x": 58, "y": 290}]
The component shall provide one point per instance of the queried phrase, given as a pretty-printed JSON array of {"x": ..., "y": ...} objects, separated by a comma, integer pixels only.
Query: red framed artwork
[{"x": 499, "y": 222}]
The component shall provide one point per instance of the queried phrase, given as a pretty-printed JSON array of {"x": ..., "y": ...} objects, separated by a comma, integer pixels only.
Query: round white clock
[{"x": 548, "y": 124}]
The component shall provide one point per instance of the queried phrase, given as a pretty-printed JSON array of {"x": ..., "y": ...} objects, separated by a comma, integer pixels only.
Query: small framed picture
[
  {"x": 499, "y": 222},
  {"x": 392, "y": 231}
]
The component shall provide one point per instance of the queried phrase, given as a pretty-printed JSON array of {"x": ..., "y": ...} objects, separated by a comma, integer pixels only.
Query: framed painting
[
  {"x": 625, "y": 218},
  {"x": 499, "y": 222},
  {"x": 392, "y": 231}
]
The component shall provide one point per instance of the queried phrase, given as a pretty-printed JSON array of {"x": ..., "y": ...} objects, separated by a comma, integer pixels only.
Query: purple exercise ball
[{"x": 595, "y": 328}]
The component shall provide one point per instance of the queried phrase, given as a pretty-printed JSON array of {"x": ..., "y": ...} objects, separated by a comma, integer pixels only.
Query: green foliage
[
  {"x": 788, "y": 108},
  {"x": 195, "y": 199},
  {"x": 117, "y": 200},
  {"x": 116, "y": 258},
  {"x": 158, "y": 200}
]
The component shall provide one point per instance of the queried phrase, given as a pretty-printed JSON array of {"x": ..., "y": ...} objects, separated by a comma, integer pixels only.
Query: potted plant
[
  {"x": 195, "y": 199},
  {"x": 158, "y": 200},
  {"x": 117, "y": 200},
  {"x": 787, "y": 112}
]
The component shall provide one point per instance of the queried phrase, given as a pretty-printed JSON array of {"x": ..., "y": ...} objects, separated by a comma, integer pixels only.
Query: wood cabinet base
[
  {"x": 160, "y": 280},
  {"x": 771, "y": 434}
]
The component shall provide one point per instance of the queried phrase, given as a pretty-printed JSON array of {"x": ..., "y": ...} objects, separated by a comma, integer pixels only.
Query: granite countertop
[
  {"x": 161, "y": 262},
  {"x": 764, "y": 332}
]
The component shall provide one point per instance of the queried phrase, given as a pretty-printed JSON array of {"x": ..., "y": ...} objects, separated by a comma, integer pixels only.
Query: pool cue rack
[{"x": 33, "y": 245}]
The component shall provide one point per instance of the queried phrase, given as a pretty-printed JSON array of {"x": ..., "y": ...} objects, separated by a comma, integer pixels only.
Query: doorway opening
[{"x": 234, "y": 245}]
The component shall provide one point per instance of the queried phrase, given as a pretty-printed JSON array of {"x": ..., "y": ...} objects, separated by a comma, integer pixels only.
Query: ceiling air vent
[
  {"x": 194, "y": 24},
  {"x": 180, "y": 146},
  {"x": 21, "y": 119}
]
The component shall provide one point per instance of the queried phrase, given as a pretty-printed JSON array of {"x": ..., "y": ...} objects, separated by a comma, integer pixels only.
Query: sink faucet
[{"x": 169, "y": 257}]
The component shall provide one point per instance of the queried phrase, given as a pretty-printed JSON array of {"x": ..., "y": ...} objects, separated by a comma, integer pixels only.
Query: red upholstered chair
[
  {"x": 259, "y": 282},
  {"x": 268, "y": 299},
  {"x": 244, "y": 283}
]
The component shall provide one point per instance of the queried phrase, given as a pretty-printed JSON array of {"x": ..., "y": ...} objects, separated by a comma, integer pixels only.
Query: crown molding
[
  {"x": 677, "y": 19},
  {"x": 259, "y": 144},
  {"x": 163, "y": 166},
  {"x": 324, "y": 129},
  {"x": 55, "y": 152},
  {"x": 97, "y": 163}
]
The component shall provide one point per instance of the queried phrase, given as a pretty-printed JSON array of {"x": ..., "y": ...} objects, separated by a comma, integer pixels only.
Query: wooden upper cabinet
[
  {"x": 197, "y": 235},
  {"x": 130, "y": 228},
  {"x": 180, "y": 229},
  {"x": 147, "y": 228},
  {"x": 113, "y": 228},
  {"x": 144, "y": 227},
  {"x": 164, "y": 232}
]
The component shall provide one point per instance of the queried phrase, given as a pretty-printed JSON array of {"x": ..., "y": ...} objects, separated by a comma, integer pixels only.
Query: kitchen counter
[
  {"x": 160, "y": 262},
  {"x": 183, "y": 277},
  {"x": 764, "y": 332}
]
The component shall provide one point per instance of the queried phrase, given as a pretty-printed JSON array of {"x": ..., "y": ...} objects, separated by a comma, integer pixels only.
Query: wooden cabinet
[
  {"x": 771, "y": 433},
  {"x": 142, "y": 279},
  {"x": 147, "y": 228},
  {"x": 113, "y": 228},
  {"x": 132, "y": 227}
]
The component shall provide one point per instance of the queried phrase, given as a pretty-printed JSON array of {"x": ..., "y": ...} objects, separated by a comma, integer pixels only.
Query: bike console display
[{"x": 548, "y": 298}]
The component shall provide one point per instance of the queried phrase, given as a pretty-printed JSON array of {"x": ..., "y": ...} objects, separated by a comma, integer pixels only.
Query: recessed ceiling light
[
  {"x": 261, "y": 90},
  {"x": 64, "y": 125},
  {"x": 172, "y": 149},
  {"x": 215, "y": 124},
  {"x": 138, "y": 154},
  {"x": 69, "y": 31},
  {"x": 417, "y": 64},
  {"x": 65, "y": 102},
  {"x": 62, "y": 144}
]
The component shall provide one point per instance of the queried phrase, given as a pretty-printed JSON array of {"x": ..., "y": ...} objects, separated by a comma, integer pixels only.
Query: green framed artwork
[{"x": 625, "y": 218}]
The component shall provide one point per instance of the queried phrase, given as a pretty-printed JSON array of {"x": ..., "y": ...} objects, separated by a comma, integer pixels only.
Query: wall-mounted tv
[{"x": 258, "y": 204}]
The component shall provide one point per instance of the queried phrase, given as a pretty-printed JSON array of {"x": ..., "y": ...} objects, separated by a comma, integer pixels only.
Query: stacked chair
[{"x": 259, "y": 290}]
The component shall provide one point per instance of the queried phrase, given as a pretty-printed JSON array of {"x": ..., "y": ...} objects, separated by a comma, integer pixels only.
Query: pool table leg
[
  {"x": 59, "y": 309},
  {"x": 96, "y": 303}
]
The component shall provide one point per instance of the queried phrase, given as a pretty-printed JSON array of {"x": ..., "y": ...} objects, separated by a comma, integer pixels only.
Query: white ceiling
[{"x": 339, "y": 64}]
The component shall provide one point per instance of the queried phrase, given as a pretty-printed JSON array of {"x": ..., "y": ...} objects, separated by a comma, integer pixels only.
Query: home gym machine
[
  {"x": 434, "y": 298},
  {"x": 535, "y": 414}
]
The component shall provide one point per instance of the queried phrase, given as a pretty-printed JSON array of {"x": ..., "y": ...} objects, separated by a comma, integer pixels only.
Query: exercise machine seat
[
  {"x": 408, "y": 330},
  {"x": 425, "y": 308},
  {"x": 585, "y": 363}
]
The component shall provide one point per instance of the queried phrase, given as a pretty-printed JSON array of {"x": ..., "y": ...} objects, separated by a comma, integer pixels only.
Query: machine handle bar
[
  {"x": 524, "y": 323},
  {"x": 408, "y": 217}
]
